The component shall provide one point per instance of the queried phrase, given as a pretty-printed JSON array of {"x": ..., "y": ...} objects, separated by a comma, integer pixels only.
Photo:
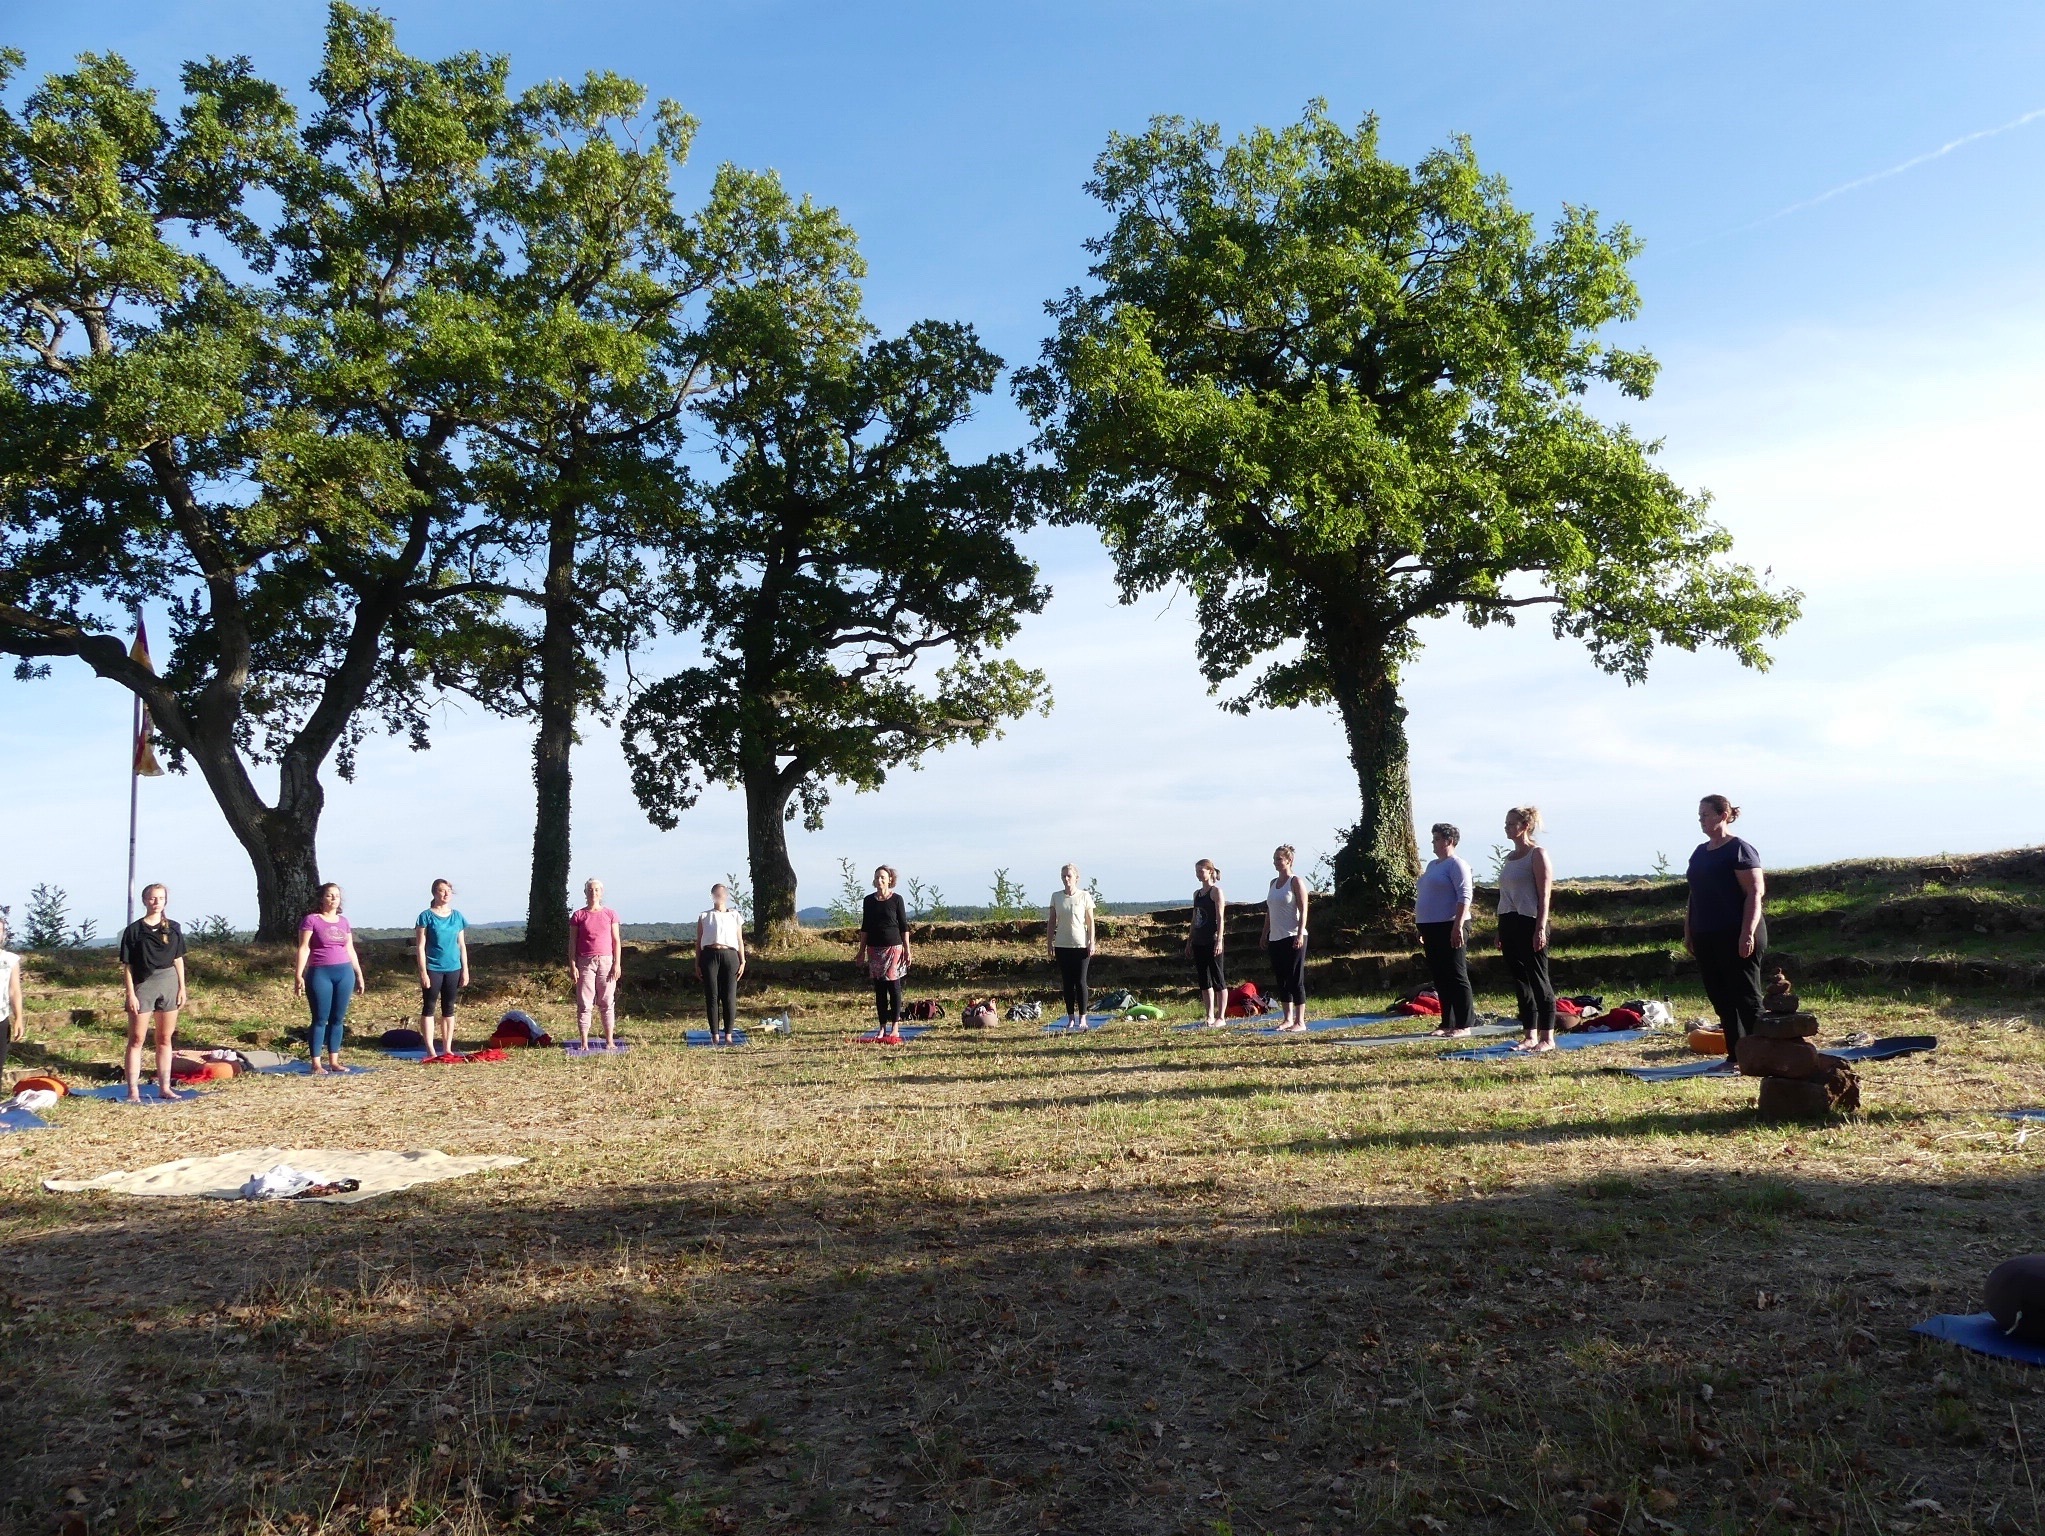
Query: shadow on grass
[{"x": 875, "y": 1354}]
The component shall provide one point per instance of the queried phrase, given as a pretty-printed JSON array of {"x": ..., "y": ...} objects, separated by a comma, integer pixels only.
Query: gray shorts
[{"x": 158, "y": 991}]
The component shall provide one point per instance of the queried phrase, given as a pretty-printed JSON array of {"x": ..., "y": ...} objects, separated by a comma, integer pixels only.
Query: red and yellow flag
[{"x": 145, "y": 763}]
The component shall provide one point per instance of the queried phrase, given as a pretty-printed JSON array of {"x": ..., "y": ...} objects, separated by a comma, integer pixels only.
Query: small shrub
[
  {"x": 1010, "y": 899},
  {"x": 213, "y": 929},
  {"x": 48, "y": 923},
  {"x": 851, "y": 898},
  {"x": 741, "y": 898}
]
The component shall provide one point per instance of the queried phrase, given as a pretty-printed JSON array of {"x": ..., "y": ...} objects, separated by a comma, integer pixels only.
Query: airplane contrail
[{"x": 1895, "y": 170}]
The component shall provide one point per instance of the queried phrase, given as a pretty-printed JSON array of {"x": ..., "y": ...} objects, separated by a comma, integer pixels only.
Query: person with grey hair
[
  {"x": 720, "y": 961},
  {"x": 1441, "y": 909}
]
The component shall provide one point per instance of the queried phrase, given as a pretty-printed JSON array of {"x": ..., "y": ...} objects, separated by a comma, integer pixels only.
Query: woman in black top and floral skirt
[
  {"x": 884, "y": 949},
  {"x": 153, "y": 969}
]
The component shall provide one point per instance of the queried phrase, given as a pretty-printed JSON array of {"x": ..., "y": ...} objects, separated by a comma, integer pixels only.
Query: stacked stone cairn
[{"x": 1798, "y": 1081}]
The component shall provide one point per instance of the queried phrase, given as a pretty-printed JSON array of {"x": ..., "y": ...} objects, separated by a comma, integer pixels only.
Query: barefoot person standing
[
  {"x": 1285, "y": 940},
  {"x": 596, "y": 962},
  {"x": 1441, "y": 909},
  {"x": 1526, "y": 884},
  {"x": 720, "y": 962},
  {"x": 441, "y": 941},
  {"x": 1203, "y": 944},
  {"x": 884, "y": 951},
  {"x": 328, "y": 975},
  {"x": 1072, "y": 936},
  {"x": 1723, "y": 925},
  {"x": 153, "y": 970}
]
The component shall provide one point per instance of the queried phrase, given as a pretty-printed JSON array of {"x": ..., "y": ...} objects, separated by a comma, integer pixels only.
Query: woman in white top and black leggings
[
  {"x": 1072, "y": 936},
  {"x": 720, "y": 961},
  {"x": 1526, "y": 882},
  {"x": 1285, "y": 939}
]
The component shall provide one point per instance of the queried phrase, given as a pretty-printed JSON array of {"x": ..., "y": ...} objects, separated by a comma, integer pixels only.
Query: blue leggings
[{"x": 328, "y": 988}]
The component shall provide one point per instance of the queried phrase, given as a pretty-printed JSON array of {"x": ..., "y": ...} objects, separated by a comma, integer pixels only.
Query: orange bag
[
  {"x": 49, "y": 1082},
  {"x": 1707, "y": 1042}
]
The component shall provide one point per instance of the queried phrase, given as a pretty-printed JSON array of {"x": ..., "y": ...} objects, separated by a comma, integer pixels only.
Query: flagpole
[{"x": 134, "y": 801}]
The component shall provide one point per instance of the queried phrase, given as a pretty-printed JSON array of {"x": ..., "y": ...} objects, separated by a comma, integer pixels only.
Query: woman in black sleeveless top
[{"x": 1205, "y": 944}]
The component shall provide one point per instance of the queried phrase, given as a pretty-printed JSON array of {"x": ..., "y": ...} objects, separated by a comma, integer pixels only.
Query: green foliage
[
  {"x": 1008, "y": 898},
  {"x": 1334, "y": 396},
  {"x": 840, "y": 550},
  {"x": 850, "y": 902},
  {"x": 925, "y": 901},
  {"x": 47, "y": 923},
  {"x": 741, "y": 897},
  {"x": 1661, "y": 868}
]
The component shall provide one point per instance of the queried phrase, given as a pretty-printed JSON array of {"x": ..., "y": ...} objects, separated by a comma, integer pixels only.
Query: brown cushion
[
  {"x": 1758, "y": 1057},
  {"x": 2015, "y": 1293}
]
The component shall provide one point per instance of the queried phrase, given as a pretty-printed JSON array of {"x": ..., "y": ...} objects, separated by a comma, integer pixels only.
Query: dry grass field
[{"x": 1138, "y": 1281}]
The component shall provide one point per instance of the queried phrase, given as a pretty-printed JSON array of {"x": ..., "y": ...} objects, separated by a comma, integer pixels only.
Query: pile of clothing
[{"x": 284, "y": 1182}]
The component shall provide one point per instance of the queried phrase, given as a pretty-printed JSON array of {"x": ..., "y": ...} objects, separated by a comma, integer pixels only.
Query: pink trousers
[{"x": 596, "y": 988}]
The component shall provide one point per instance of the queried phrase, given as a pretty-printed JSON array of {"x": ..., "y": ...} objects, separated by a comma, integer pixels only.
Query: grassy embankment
[{"x": 1139, "y": 1281}]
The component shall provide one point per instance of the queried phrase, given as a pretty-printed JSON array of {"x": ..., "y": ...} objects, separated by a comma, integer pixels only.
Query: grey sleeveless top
[{"x": 1518, "y": 890}]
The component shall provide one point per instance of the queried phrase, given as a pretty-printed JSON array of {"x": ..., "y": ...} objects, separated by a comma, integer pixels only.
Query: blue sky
[{"x": 1857, "y": 378}]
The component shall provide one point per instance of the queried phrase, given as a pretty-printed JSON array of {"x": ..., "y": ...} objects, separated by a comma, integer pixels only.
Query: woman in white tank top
[
  {"x": 1285, "y": 939},
  {"x": 1525, "y": 883}
]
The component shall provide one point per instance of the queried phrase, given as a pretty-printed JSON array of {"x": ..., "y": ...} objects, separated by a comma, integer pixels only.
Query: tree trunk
[
  {"x": 546, "y": 907},
  {"x": 1379, "y": 859},
  {"x": 772, "y": 875},
  {"x": 281, "y": 841}
]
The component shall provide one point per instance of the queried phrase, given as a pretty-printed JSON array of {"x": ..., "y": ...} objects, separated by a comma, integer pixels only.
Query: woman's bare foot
[
  {"x": 1545, "y": 1045},
  {"x": 1293, "y": 1027},
  {"x": 334, "y": 1064},
  {"x": 134, "y": 1096},
  {"x": 164, "y": 1090},
  {"x": 318, "y": 1070}
]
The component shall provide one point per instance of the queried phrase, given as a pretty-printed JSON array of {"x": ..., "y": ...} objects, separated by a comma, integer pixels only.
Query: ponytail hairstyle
[
  {"x": 1723, "y": 807},
  {"x": 1526, "y": 817},
  {"x": 1284, "y": 851},
  {"x": 1208, "y": 864}
]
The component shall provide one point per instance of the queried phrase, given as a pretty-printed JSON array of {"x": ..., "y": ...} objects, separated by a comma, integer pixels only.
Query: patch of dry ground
[{"x": 1140, "y": 1281}]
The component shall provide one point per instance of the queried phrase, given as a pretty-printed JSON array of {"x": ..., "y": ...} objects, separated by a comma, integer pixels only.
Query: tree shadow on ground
[{"x": 885, "y": 1353}]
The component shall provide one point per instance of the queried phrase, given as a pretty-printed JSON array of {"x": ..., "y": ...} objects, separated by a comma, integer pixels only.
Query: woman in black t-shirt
[
  {"x": 153, "y": 971},
  {"x": 1723, "y": 925},
  {"x": 884, "y": 950}
]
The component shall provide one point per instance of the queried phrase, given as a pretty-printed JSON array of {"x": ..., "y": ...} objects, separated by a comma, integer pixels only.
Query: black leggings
[
  {"x": 1449, "y": 966},
  {"x": 1288, "y": 971},
  {"x": 1732, "y": 984},
  {"x": 1209, "y": 974},
  {"x": 1529, "y": 968},
  {"x": 720, "y": 986},
  {"x": 445, "y": 987},
  {"x": 1072, "y": 963},
  {"x": 887, "y": 1003}
]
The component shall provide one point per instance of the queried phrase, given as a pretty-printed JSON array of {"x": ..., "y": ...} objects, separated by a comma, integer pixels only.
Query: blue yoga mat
[
  {"x": 22, "y": 1120},
  {"x": 118, "y": 1093},
  {"x": 2023, "y": 1114},
  {"x": 597, "y": 1052},
  {"x": 1094, "y": 1021},
  {"x": 416, "y": 1053},
  {"x": 1981, "y": 1333},
  {"x": 908, "y": 1032},
  {"x": 304, "y": 1068},
  {"x": 1481, "y": 1032},
  {"x": 702, "y": 1037},
  {"x": 1717, "y": 1066},
  {"x": 1322, "y": 1026},
  {"x": 1503, "y": 1051},
  {"x": 1250, "y": 1021}
]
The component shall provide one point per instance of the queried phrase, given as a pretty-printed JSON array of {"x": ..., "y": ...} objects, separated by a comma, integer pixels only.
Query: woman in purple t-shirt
[
  {"x": 330, "y": 974},
  {"x": 596, "y": 960}
]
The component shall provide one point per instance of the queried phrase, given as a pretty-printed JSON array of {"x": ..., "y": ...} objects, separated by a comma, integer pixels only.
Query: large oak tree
[
  {"x": 1334, "y": 395},
  {"x": 838, "y": 548}
]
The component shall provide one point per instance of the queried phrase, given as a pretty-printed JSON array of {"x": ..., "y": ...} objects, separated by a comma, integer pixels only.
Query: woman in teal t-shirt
[{"x": 442, "y": 940}]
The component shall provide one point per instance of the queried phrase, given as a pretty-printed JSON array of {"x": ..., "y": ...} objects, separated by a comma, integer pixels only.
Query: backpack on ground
[
  {"x": 1025, "y": 1012},
  {"x": 1113, "y": 1002},
  {"x": 923, "y": 1009},
  {"x": 1245, "y": 1001},
  {"x": 978, "y": 1014}
]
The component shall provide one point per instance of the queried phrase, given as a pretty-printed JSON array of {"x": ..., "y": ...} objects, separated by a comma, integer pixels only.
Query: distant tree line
[{"x": 432, "y": 391}]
